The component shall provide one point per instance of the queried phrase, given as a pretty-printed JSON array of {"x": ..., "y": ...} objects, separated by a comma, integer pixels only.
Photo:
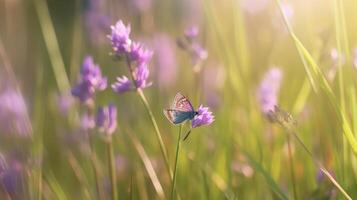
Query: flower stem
[
  {"x": 95, "y": 167},
  {"x": 176, "y": 163},
  {"x": 320, "y": 166},
  {"x": 151, "y": 115},
  {"x": 291, "y": 167},
  {"x": 112, "y": 172}
]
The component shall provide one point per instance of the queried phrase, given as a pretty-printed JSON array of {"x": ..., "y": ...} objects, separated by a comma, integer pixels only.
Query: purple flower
[
  {"x": 191, "y": 32},
  {"x": 120, "y": 38},
  {"x": 106, "y": 119},
  {"x": 165, "y": 57},
  {"x": 91, "y": 79},
  {"x": 11, "y": 179},
  {"x": 123, "y": 84},
  {"x": 140, "y": 54},
  {"x": 95, "y": 21},
  {"x": 269, "y": 90},
  {"x": 65, "y": 102},
  {"x": 254, "y": 6},
  {"x": 198, "y": 53},
  {"x": 142, "y": 5},
  {"x": 195, "y": 50},
  {"x": 203, "y": 117},
  {"x": 141, "y": 74},
  {"x": 13, "y": 113},
  {"x": 87, "y": 122}
]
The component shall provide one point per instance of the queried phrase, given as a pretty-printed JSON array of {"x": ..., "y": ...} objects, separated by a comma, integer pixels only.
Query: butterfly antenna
[{"x": 187, "y": 134}]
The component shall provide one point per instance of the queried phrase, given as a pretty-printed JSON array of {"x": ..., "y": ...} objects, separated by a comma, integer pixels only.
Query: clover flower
[
  {"x": 13, "y": 113},
  {"x": 269, "y": 90},
  {"x": 91, "y": 79},
  {"x": 106, "y": 119},
  {"x": 119, "y": 38},
  {"x": 137, "y": 57},
  {"x": 203, "y": 117}
]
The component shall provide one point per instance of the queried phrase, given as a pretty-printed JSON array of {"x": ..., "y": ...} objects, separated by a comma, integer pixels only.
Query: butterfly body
[{"x": 180, "y": 110}]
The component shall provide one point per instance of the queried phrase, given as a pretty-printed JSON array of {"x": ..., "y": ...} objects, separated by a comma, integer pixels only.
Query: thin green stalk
[
  {"x": 95, "y": 167},
  {"x": 152, "y": 118},
  {"x": 291, "y": 161},
  {"x": 110, "y": 151},
  {"x": 320, "y": 166},
  {"x": 51, "y": 42},
  {"x": 176, "y": 163}
]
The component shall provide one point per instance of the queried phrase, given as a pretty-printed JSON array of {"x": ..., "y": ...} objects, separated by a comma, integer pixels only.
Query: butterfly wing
[
  {"x": 181, "y": 103},
  {"x": 177, "y": 116}
]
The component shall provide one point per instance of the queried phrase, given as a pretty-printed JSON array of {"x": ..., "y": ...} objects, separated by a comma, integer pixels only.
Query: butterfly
[{"x": 180, "y": 110}]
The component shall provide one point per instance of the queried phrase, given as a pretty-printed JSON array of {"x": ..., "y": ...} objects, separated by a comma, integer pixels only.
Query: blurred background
[{"x": 240, "y": 56}]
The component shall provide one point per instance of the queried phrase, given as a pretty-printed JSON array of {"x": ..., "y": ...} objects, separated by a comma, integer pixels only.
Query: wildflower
[
  {"x": 203, "y": 117},
  {"x": 142, "y": 5},
  {"x": 87, "y": 122},
  {"x": 213, "y": 81},
  {"x": 140, "y": 54},
  {"x": 11, "y": 177},
  {"x": 191, "y": 32},
  {"x": 138, "y": 58},
  {"x": 106, "y": 119},
  {"x": 190, "y": 44},
  {"x": 91, "y": 79},
  {"x": 254, "y": 6},
  {"x": 95, "y": 21},
  {"x": 123, "y": 84},
  {"x": 165, "y": 57},
  {"x": 65, "y": 102},
  {"x": 120, "y": 38},
  {"x": 13, "y": 113},
  {"x": 141, "y": 74},
  {"x": 269, "y": 90}
]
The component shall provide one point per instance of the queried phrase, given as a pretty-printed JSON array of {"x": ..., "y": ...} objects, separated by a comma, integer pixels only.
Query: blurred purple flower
[
  {"x": 64, "y": 101},
  {"x": 336, "y": 58},
  {"x": 165, "y": 57},
  {"x": 140, "y": 54},
  {"x": 269, "y": 90},
  {"x": 190, "y": 44},
  {"x": 13, "y": 113},
  {"x": 141, "y": 74},
  {"x": 87, "y": 122},
  {"x": 11, "y": 176},
  {"x": 123, "y": 84},
  {"x": 95, "y": 22},
  {"x": 213, "y": 81},
  {"x": 203, "y": 117},
  {"x": 253, "y": 6},
  {"x": 91, "y": 79},
  {"x": 121, "y": 163},
  {"x": 120, "y": 38},
  {"x": 142, "y": 5},
  {"x": 198, "y": 53},
  {"x": 106, "y": 119},
  {"x": 191, "y": 32}
]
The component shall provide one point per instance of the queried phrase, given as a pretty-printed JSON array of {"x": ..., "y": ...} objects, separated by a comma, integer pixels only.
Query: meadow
[{"x": 178, "y": 99}]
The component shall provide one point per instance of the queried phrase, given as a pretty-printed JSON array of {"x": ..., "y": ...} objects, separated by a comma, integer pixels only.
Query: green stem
[
  {"x": 291, "y": 167},
  {"x": 151, "y": 115},
  {"x": 95, "y": 167},
  {"x": 52, "y": 46},
  {"x": 176, "y": 163},
  {"x": 112, "y": 172},
  {"x": 321, "y": 167}
]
